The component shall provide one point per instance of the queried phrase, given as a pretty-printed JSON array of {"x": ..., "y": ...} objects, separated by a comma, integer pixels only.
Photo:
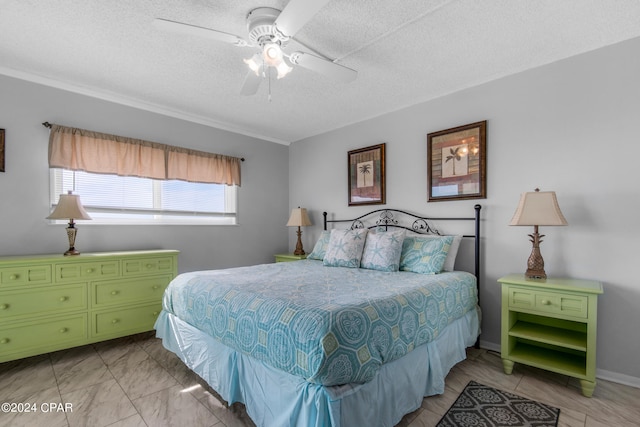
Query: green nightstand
[
  {"x": 551, "y": 324},
  {"x": 289, "y": 257}
]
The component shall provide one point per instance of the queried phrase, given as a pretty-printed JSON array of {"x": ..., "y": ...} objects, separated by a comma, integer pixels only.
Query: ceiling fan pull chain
[{"x": 269, "y": 74}]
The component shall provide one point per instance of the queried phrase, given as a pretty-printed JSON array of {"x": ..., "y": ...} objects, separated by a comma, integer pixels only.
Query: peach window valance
[{"x": 85, "y": 150}]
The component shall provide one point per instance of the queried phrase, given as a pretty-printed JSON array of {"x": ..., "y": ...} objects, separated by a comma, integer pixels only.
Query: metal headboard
[{"x": 386, "y": 218}]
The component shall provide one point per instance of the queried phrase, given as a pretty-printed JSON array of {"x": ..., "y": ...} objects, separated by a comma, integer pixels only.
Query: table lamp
[
  {"x": 69, "y": 207},
  {"x": 537, "y": 208},
  {"x": 299, "y": 218}
]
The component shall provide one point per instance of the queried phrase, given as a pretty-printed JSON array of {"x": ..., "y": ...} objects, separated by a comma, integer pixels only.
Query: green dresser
[
  {"x": 53, "y": 302},
  {"x": 551, "y": 324}
]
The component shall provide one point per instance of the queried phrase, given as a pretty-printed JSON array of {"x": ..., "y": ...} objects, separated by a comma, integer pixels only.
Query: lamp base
[
  {"x": 72, "y": 251},
  {"x": 71, "y": 235},
  {"x": 299, "y": 250},
  {"x": 535, "y": 263}
]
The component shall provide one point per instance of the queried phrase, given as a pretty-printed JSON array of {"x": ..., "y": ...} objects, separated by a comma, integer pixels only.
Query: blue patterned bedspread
[{"x": 330, "y": 325}]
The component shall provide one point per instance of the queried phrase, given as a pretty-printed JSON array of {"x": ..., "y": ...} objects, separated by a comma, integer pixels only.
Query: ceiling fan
[{"x": 271, "y": 33}]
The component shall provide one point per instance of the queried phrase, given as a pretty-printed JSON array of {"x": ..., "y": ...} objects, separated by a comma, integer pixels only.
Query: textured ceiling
[{"x": 405, "y": 52}]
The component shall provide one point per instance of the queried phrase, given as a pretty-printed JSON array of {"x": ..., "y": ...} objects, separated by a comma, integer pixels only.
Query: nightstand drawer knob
[
  {"x": 545, "y": 302},
  {"x": 63, "y": 299},
  {"x": 155, "y": 287},
  {"x": 149, "y": 265},
  {"x": 14, "y": 277},
  {"x": 90, "y": 270},
  {"x": 4, "y": 341},
  {"x": 63, "y": 330},
  {"x": 4, "y": 306},
  {"x": 114, "y": 321},
  {"x": 155, "y": 313},
  {"x": 115, "y": 292}
]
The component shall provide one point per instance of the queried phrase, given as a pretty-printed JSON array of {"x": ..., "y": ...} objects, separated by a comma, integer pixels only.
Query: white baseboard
[{"x": 600, "y": 373}]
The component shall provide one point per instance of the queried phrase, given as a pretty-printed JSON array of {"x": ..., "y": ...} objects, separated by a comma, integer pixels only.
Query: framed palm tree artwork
[
  {"x": 366, "y": 176},
  {"x": 457, "y": 167}
]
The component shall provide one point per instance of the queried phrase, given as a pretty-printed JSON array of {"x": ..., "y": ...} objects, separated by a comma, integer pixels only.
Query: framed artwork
[
  {"x": 1, "y": 150},
  {"x": 366, "y": 176},
  {"x": 457, "y": 167}
]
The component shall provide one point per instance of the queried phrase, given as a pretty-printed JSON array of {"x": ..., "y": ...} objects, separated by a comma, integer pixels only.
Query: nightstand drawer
[
  {"x": 42, "y": 301},
  {"x": 27, "y": 275},
  {"x": 548, "y": 302},
  {"x": 135, "y": 319},
  {"x": 48, "y": 335},
  {"x": 131, "y": 267},
  {"x": 131, "y": 290},
  {"x": 87, "y": 270}
]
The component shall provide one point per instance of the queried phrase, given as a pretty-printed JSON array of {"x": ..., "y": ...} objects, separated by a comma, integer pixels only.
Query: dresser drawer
[
  {"x": 46, "y": 335},
  {"x": 25, "y": 275},
  {"x": 129, "y": 290},
  {"x": 130, "y": 320},
  {"x": 564, "y": 304},
  {"x": 132, "y": 267},
  {"x": 87, "y": 270},
  {"x": 42, "y": 301}
]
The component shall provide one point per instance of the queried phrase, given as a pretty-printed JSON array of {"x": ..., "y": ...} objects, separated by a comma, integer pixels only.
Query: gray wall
[
  {"x": 24, "y": 187},
  {"x": 570, "y": 127}
]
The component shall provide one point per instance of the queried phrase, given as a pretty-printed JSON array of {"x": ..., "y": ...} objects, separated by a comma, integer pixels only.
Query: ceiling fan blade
[
  {"x": 251, "y": 83},
  {"x": 297, "y": 13},
  {"x": 324, "y": 66},
  {"x": 194, "y": 30}
]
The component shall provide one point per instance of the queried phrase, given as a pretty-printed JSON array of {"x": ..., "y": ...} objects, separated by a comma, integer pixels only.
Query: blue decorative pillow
[
  {"x": 425, "y": 255},
  {"x": 345, "y": 248},
  {"x": 382, "y": 250},
  {"x": 320, "y": 248}
]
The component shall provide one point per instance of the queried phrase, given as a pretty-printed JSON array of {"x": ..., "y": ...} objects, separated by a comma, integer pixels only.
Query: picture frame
[
  {"x": 457, "y": 166},
  {"x": 1, "y": 150},
  {"x": 366, "y": 170}
]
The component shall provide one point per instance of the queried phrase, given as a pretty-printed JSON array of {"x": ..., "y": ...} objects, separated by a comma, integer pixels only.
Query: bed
[{"x": 357, "y": 334}]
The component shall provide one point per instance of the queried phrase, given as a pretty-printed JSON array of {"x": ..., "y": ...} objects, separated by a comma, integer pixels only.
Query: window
[{"x": 134, "y": 200}]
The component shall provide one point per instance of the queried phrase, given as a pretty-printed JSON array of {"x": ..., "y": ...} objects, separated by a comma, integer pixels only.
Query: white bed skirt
[{"x": 274, "y": 398}]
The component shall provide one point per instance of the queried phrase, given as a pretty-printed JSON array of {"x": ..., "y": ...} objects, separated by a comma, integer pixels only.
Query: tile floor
[{"x": 134, "y": 381}]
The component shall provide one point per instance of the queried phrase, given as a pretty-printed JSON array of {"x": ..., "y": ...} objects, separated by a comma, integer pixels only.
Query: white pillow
[
  {"x": 345, "y": 248},
  {"x": 382, "y": 250}
]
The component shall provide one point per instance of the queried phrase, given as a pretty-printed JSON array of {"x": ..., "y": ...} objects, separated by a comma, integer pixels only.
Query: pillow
[
  {"x": 321, "y": 246},
  {"x": 424, "y": 254},
  {"x": 382, "y": 250},
  {"x": 450, "y": 261},
  {"x": 345, "y": 248}
]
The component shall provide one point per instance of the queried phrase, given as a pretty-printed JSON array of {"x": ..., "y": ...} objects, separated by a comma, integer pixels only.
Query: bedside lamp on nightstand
[
  {"x": 537, "y": 208},
  {"x": 299, "y": 218}
]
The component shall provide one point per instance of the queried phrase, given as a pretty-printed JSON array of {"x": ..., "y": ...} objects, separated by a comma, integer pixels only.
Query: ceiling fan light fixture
[
  {"x": 254, "y": 63},
  {"x": 272, "y": 54},
  {"x": 283, "y": 69}
]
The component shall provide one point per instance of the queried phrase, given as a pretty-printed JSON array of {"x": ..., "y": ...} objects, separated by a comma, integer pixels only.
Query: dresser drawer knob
[
  {"x": 4, "y": 306},
  {"x": 63, "y": 330},
  {"x": 115, "y": 292},
  {"x": 149, "y": 265},
  {"x": 63, "y": 299},
  {"x": 90, "y": 270},
  {"x": 4, "y": 341},
  {"x": 14, "y": 277},
  {"x": 155, "y": 287},
  {"x": 545, "y": 302},
  {"x": 114, "y": 321},
  {"x": 155, "y": 313}
]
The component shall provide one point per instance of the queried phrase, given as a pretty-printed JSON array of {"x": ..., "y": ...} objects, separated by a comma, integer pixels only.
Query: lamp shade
[
  {"x": 299, "y": 218},
  {"x": 538, "y": 208},
  {"x": 69, "y": 207}
]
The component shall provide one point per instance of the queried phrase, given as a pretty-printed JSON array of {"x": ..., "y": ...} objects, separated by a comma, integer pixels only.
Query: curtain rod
[{"x": 48, "y": 125}]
